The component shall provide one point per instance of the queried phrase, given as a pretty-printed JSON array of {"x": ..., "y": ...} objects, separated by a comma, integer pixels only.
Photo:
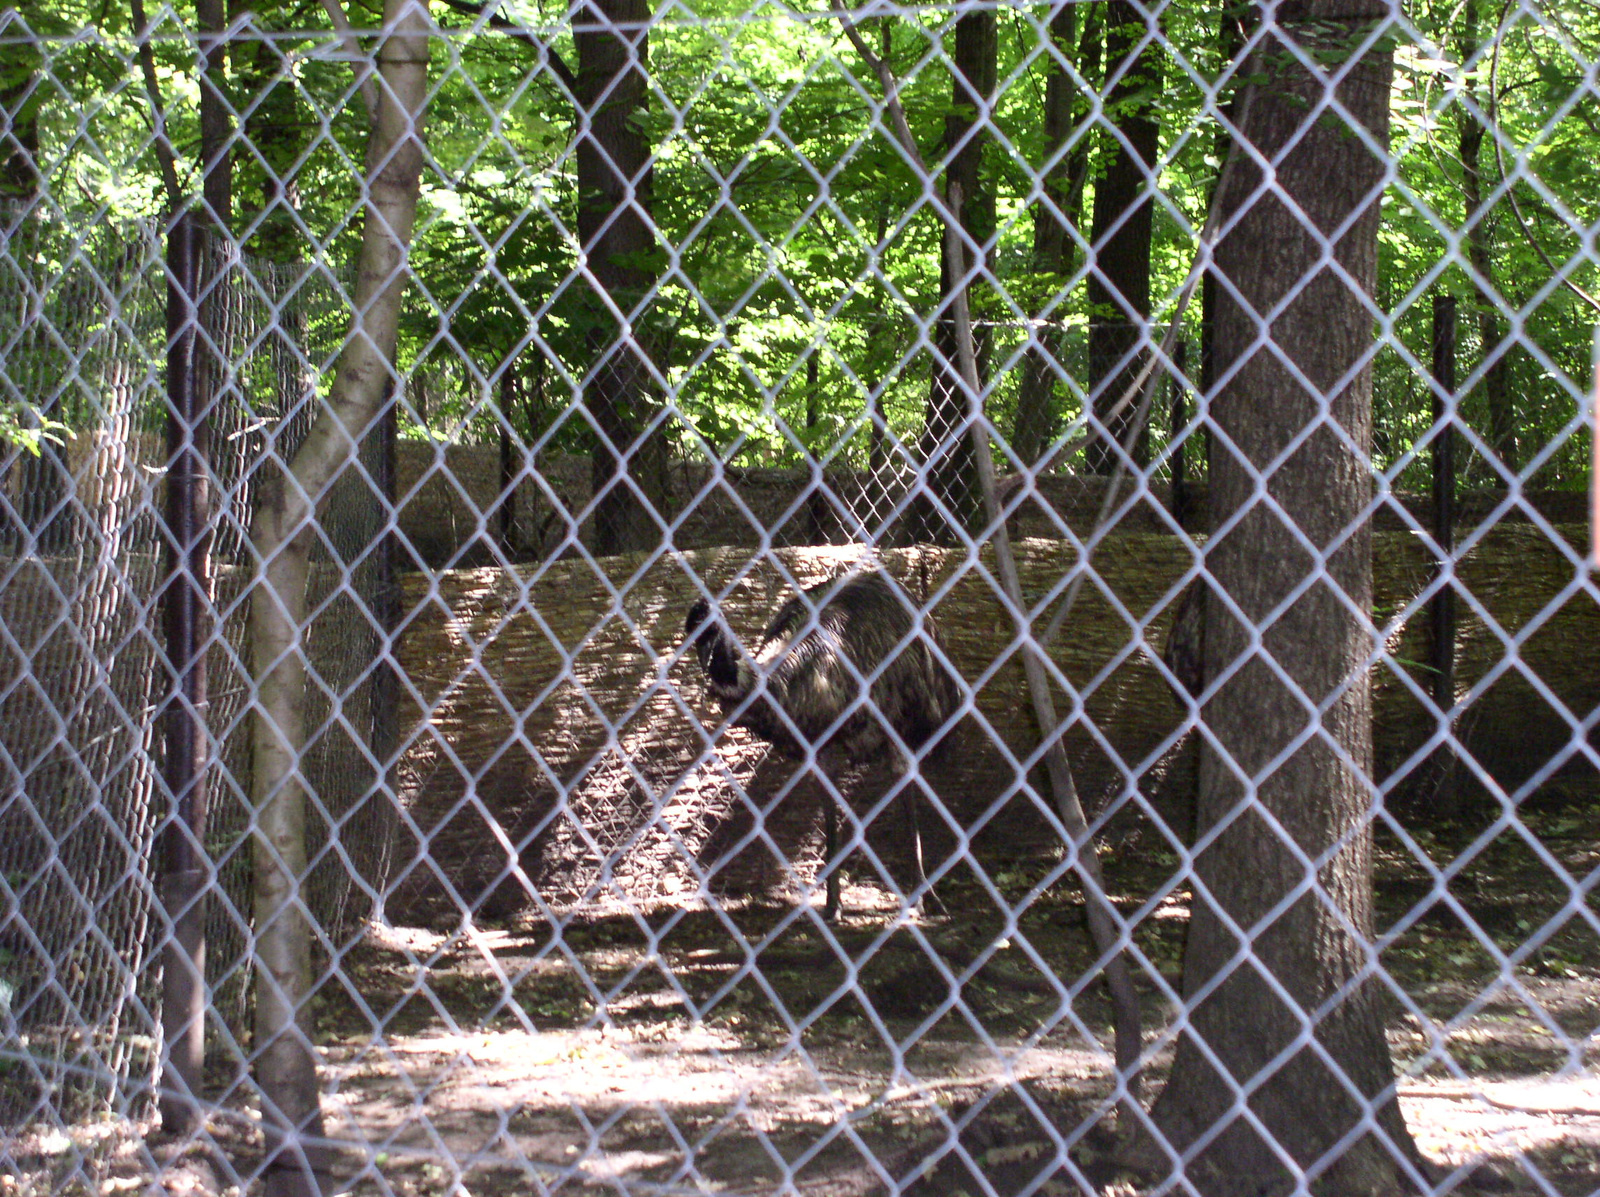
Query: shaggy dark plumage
[{"x": 814, "y": 657}]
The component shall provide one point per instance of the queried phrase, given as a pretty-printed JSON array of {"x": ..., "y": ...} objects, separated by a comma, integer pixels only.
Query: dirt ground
[{"x": 752, "y": 1049}]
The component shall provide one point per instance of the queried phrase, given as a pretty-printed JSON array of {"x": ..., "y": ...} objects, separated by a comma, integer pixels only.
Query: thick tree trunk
[
  {"x": 950, "y": 506},
  {"x": 283, "y": 531},
  {"x": 1119, "y": 287},
  {"x": 1062, "y": 181},
  {"x": 618, "y": 235},
  {"x": 1274, "y": 969}
]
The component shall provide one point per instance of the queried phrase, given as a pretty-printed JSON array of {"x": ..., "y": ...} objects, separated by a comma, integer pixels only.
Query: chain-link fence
[{"x": 980, "y": 598}]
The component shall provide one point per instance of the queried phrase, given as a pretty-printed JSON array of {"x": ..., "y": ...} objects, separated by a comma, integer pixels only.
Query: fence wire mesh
[{"x": 978, "y": 598}]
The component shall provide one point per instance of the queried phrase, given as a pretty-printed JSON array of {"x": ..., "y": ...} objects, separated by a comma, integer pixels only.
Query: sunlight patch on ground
[{"x": 1462, "y": 1122}]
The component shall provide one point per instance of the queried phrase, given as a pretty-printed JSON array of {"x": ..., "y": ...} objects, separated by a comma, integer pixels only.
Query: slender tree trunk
[
  {"x": 283, "y": 531},
  {"x": 617, "y": 234},
  {"x": 1062, "y": 181},
  {"x": 1294, "y": 1016},
  {"x": 950, "y": 470},
  {"x": 1496, "y": 393},
  {"x": 186, "y": 756},
  {"x": 1119, "y": 286}
]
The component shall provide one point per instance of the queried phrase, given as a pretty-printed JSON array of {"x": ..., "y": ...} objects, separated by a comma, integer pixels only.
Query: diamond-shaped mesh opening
[{"x": 1129, "y": 466}]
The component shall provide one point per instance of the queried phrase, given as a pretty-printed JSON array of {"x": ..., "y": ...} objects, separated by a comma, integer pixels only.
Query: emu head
[
  {"x": 712, "y": 646},
  {"x": 698, "y": 628}
]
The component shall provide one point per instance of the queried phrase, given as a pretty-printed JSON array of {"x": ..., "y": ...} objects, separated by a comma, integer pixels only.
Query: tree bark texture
[
  {"x": 1062, "y": 180},
  {"x": 1119, "y": 285},
  {"x": 618, "y": 237},
  {"x": 283, "y": 531},
  {"x": 1282, "y": 1025},
  {"x": 951, "y": 505}
]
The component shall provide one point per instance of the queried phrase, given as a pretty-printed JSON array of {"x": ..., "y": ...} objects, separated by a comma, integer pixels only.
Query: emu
[{"x": 813, "y": 658}]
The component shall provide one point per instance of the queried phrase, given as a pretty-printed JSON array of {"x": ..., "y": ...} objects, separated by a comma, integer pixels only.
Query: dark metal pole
[
  {"x": 185, "y": 602},
  {"x": 386, "y": 610},
  {"x": 509, "y": 472},
  {"x": 1182, "y": 500},
  {"x": 816, "y": 502},
  {"x": 1442, "y": 607}
]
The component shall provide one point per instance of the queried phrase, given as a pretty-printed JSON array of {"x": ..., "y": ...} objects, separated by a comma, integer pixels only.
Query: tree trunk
[
  {"x": 950, "y": 505},
  {"x": 283, "y": 531},
  {"x": 1246, "y": 1020},
  {"x": 1062, "y": 181},
  {"x": 1119, "y": 286},
  {"x": 617, "y": 234},
  {"x": 1497, "y": 395}
]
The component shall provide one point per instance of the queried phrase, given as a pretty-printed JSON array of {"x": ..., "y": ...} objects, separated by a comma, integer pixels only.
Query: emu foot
[{"x": 830, "y": 907}]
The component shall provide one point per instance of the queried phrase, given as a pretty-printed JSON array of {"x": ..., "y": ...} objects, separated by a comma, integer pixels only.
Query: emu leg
[
  {"x": 830, "y": 840},
  {"x": 908, "y": 803}
]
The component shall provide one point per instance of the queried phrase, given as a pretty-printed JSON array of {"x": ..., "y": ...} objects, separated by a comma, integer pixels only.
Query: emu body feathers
[
  {"x": 843, "y": 664},
  {"x": 815, "y": 668}
]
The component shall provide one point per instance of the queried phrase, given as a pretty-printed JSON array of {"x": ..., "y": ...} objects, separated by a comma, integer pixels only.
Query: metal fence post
[
  {"x": 386, "y": 609},
  {"x": 184, "y": 601},
  {"x": 1182, "y": 496},
  {"x": 1594, "y": 459},
  {"x": 1442, "y": 608}
]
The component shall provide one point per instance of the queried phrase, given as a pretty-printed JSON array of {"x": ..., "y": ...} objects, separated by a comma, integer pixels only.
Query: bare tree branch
[
  {"x": 558, "y": 65},
  {"x": 1511, "y": 192},
  {"x": 163, "y": 145}
]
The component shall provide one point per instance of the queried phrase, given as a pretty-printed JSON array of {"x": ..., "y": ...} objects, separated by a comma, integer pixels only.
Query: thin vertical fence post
[
  {"x": 185, "y": 601},
  {"x": 1182, "y": 498},
  {"x": 386, "y": 610},
  {"x": 816, "y": 502},
  {"x": 1442, "y": 607},
  {"x": 510, "y": 469},
  {"x": 1594, "y": 459}
]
